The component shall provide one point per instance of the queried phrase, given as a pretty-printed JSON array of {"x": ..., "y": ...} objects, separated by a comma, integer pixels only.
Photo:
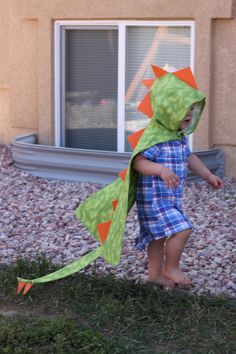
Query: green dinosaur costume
[{"x": 104, "y": 213}]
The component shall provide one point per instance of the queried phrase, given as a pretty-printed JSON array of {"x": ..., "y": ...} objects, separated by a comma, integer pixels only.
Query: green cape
[{"x": 104, "y": 213}]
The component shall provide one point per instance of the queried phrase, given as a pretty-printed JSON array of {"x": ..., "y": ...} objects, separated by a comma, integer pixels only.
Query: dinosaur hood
[
  {"x": 167, "y": 103},
  {"x": 171, "y": 99}
]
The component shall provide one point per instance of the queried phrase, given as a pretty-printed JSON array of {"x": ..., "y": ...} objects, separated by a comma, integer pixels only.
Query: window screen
[{"x": 91, "y": 89}]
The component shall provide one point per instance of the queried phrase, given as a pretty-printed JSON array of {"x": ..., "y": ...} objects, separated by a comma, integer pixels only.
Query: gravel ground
[{"x": 37, "y": 216}]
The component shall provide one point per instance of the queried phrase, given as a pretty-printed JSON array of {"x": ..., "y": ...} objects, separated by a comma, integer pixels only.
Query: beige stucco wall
[
  {"x": 223, "y": 132},
  {"x": 27, "y": 60}
]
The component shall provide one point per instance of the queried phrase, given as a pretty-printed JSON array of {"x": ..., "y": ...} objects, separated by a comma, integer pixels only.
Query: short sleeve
[
  {"x": 152, "y": 152},
  {"x": 188, "y": 152}
]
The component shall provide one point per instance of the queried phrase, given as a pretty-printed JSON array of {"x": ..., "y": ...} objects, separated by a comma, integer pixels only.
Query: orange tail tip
[
  {"x": 134, "y": 138},
  {"x": 25, "y": 286},
  {"x": 103, "y": 230},
  {"x": 186, "y": 75},
  {"x": 123, "y": 173},
  {"x": 148, "y": 83},
  {"x": 159, "y": 72},
  {"x": 114, "y": 204},
  {"x": 20, "y": 287},
  {"x": 145, "y": 106}
]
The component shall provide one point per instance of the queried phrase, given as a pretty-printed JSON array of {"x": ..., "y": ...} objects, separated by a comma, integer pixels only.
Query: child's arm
[
  {"x": 196, "y": 165},
  {"x": 142, "y": 165}
]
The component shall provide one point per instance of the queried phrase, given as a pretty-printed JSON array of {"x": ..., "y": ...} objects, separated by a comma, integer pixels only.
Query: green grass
[{"x": 89, "y": 314}]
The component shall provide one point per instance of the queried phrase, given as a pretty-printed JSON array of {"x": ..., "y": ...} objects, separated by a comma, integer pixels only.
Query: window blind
[{"x": 167, "y": 47}]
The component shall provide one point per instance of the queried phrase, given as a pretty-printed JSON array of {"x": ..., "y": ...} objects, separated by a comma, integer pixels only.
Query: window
[{"x": 99, "y": 69}]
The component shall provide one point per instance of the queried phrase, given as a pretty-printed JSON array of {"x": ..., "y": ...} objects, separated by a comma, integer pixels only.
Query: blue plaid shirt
[{"x": 172, "y": 154}]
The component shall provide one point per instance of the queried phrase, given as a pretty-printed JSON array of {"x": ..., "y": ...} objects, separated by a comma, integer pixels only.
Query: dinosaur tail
[{"x": 72, "y": 268}]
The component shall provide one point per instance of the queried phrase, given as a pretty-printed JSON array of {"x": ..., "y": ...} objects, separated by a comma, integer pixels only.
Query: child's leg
[
  {"x": 174, "y": 249},
  {"x": 155, "y": 251}
]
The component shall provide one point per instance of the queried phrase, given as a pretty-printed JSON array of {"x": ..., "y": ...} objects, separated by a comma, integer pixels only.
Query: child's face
[{"x": 187, "y": 119}]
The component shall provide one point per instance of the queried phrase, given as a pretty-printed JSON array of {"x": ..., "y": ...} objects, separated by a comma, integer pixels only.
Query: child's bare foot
[
  {"x": 163, "y": 281},
  {"x": 177, "y": 276}
]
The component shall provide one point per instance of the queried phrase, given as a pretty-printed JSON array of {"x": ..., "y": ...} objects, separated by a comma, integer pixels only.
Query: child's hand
[
  {"x": 169, "y": 177},
  {"x": 215, "y": 181}
]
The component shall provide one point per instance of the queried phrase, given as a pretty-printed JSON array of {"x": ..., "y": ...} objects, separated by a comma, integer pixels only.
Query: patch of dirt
[{"x": 22, "y": 311}]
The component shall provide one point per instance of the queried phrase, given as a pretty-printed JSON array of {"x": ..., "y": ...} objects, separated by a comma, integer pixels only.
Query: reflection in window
[{"x": 167, "y": 47}]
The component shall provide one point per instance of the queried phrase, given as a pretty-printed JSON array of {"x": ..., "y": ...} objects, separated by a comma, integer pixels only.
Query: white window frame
[{"x": 121, "y": 27}]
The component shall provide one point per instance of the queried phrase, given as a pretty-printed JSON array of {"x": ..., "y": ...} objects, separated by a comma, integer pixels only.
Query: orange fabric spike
[
  {"x": 145, "y": 106},
  {"x": 103, "y": 230},
  {"x": 20, "y": 287},
  {"x": 114, "y": 204},
  {"x": 159, "y": 72},
  {"x": 148, "y": 83},
  {"x": 186, "y": 75},
  {"x": 133, "y": 139},
  {"x": 27, "y": 287},
  {"x": 122, "y": 174}
]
